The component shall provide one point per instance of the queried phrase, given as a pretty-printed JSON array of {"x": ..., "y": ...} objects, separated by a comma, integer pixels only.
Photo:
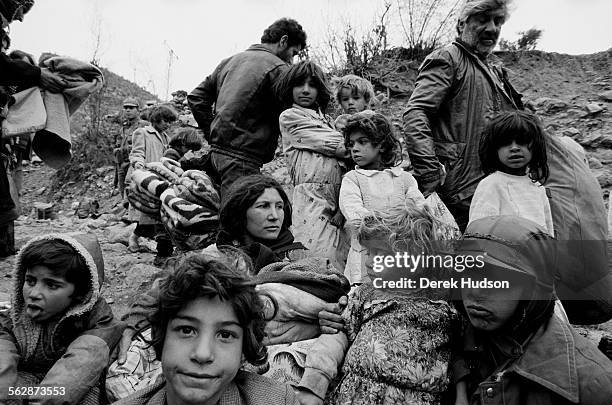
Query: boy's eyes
[
  {"x": 227, "y": 335},
  {"x": 185, "y": 330}
]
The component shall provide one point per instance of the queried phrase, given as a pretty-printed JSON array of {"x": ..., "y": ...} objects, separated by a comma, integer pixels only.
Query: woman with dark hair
[
  {"x": 255, "y": 216},
  {"x": 208, "y": 321}
]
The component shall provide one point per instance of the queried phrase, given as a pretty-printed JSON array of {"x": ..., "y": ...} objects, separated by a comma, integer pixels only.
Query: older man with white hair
[{"x": 458, "y": 90}]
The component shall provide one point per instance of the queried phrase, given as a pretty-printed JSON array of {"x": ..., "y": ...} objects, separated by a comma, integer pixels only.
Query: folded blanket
[
  {"x": 52, "y": 144},
  {"x": 161, "y": 170},
  {"x": 144, "y": 204},
  {"x": 185, "y": 214},
  {"x": 172, "y": 165},
  {"x": 315, "y": 275},
  {"x": 186, "y": 240},
  {"x": 150, "y": 181},
  {"x": 27, "y": 115}
]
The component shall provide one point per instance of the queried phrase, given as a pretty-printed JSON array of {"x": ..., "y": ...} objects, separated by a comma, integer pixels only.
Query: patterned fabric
[
  {"x": 314, "y": 149},
  {"x": 400, "y": 349},
  {"x": 505, "y": 194},
  {"x": 186, "y": 214},
  {"x": 165, "y": 173},
  {"x": 172, "y": 165},
  {"x": 151, "y": 182},
  {"x": 140, "y": 370}
]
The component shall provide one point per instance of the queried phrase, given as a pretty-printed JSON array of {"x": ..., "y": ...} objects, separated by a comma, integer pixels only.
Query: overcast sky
[{"x": 137, "y": 35}]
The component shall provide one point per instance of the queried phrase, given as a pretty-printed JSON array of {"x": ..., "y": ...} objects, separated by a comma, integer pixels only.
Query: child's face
[
  {"x": 351, "y": 101},
  {"x": 202, "y": 351},
  {"x": 45, "y": 294},
  {"x": 489, "y": 309},
  {"x": 305, "y": 94},
  {"x": 365, "y": 154},
  {"x": 515, "y": 157}
]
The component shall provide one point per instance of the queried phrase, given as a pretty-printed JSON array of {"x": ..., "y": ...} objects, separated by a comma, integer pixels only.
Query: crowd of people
[{"x": 312, "y": 299}]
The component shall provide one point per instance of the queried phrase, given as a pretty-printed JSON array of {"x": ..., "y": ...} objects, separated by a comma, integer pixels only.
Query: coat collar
[
  {"x": 488, "y": 65},
  {"x": 550, "y": 360},
  {"x": 394, "y": 171},
  {"x": 313, "y": 113}
]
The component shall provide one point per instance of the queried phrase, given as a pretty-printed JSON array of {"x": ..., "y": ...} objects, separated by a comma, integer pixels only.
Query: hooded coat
[
  {"x": 538, "y": 358},
  {"x": 71, "y": 353}
]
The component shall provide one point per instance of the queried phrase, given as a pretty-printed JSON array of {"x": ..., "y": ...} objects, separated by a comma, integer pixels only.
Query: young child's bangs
[{"x": 514, "y": 128}]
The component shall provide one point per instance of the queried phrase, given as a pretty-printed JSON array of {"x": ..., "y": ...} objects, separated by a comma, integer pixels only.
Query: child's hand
[
  {"x": 330, "y": 319},
  {"x": 305, "y": 397},
  {"x": 337, "y": 220},
  {"x": 124, "y": 344},
  {"x": 341, "y": 121}
]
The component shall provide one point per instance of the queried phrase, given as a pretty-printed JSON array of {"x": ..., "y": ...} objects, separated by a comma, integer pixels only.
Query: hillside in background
[{"x": 572, "y": 95}]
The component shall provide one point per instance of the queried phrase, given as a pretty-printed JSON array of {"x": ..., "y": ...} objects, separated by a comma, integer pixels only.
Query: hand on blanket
[
  {"x": 124, "y": 344},
  {"x": 330, "y": 319},
  {"x": 51, "y": 81}
]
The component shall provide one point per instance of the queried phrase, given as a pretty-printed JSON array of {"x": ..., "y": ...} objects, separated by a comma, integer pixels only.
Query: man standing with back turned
[{"x": 243, "y": 127}]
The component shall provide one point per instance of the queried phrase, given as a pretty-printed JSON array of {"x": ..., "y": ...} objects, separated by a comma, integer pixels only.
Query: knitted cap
[
  {"x": 131, "y": 102},
  {"x": 315, "y": 275},
  {"x": 179, "y": 93}
]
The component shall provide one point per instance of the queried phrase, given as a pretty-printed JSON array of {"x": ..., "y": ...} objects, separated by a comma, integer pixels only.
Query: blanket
[
  {"x": 149, "y": 181},
  {"x": 184, "y": 214},
  {"x": 162, "y": 171},
  {"x": 52, "y": 144}
]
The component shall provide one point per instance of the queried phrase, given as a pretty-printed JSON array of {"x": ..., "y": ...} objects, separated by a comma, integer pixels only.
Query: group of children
[{"x": 398, "y": 346}]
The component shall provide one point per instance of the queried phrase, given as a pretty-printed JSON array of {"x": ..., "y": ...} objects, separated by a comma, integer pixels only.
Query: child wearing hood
[
  {"x": 56, "y": 340},
  {"x": 516, "y": 349}
]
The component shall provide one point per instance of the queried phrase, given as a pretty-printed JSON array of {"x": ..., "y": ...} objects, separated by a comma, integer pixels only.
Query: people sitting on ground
[
  {"x": 354, "y": 94},
  {"x": 399, "y": 333},
  {"x": 513, "y": 156},
  {"x": 314, "y": 150},
  {"x": 376, "y": 183},
  {"x": 148, "y": 145},
  {"x": 515, "y": 348},
  {"x": 255, "y": 218},
  {"x": 208, "y": 322},
  {"x": 60, "y": 331}
]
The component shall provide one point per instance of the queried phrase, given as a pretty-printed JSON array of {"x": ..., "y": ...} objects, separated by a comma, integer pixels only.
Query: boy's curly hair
[
  {"x": 379, "y": 130},
  {"x": 523, "y": 127},
  {"x": 296, "y": 75},
  {"x": 357, "y": 85},
  {"x": 200, "y": 275}
]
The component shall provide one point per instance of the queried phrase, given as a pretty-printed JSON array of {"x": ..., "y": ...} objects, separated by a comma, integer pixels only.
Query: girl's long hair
[
  {"x": 524, "y": 128},
  {"x": 297, "y": 75}
]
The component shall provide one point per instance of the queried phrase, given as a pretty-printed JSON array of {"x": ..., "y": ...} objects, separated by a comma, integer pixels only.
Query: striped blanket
[
  {"x": 172, "y": 165},
  {"x": 185, "y": 214},
  {"x": 162, "y": 171},
  {"x": 149, "y": 181}
]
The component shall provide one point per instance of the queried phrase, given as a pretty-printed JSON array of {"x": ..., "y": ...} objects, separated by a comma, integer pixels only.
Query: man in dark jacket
[
  {"x": 458, "y": 90},
  {"x": 242, "y": 129}
]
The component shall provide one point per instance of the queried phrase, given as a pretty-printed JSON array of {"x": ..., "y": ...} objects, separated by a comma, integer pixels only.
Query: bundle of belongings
[
  {"x": 185, "y": 201},
  {"x": 48, "y": 114},
  {"x": 293, "y": 294}
]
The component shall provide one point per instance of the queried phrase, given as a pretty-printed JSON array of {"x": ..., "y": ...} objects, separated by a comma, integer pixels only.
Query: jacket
[
  {"x": 71, "y": 353},
  {"x": 456, "y": 95},
  {"x": 244, "y": 122},
  {"x": 246, "y": 389},
  {"x": 536, "y": 357}
]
